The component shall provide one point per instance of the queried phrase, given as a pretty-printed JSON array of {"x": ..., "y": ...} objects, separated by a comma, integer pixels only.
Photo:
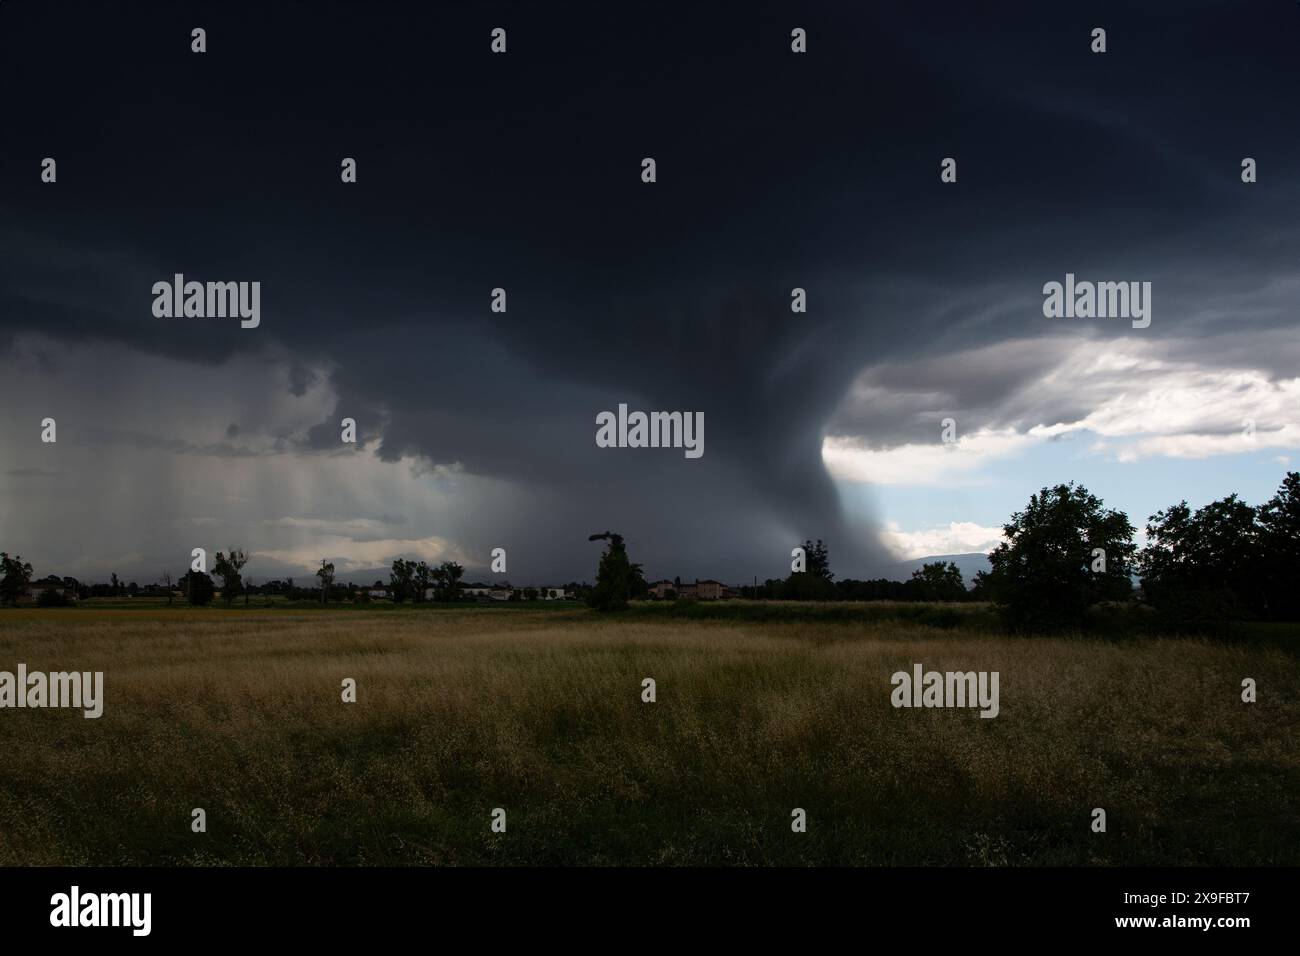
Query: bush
[
  {"x": 52, "y": 598},
  {"x": 197, "y": 588}
]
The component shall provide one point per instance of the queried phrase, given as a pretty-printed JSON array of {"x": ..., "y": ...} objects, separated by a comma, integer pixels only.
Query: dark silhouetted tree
[
  {"x": 198, "y": 588},
  {"x": 1045, "y": 575},
  {"x": 1203, "y": 567},
  {"x": 447, "y": 581},
  {"x": 1279, "y": 521},
  {"x": 423, "y": 579},
  {"x": 17, "y": 576},
  {"x": 326, "y": 574},
  {"x": 227, "y": 567},
  {"x": 613, "y": 576},
  {"x": 937, "y": 581},
  {"x": 813, "y": 583},
  {"x": 401, "y": 580}
]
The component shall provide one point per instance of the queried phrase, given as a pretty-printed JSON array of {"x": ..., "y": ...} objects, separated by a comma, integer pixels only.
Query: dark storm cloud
[{"x": 522, "y": 171}]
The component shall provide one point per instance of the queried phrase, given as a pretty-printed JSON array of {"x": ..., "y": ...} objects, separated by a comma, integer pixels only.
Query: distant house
[
  {"x": 377, "y": 593},
  {"x": 698, "y": 591},
  {"x": 711, "y": 590},
  {"x": 553, "y": 594},
  {"x": 484, "y": 593}
]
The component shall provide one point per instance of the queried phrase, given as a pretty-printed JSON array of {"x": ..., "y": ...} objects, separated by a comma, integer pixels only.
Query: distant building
[
  {"x": 494, "y": 593},
  {"x": 698, "y": 591}
]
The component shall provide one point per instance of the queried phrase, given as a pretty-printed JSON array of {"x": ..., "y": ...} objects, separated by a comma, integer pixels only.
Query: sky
[{"x": 523, "y": 171}]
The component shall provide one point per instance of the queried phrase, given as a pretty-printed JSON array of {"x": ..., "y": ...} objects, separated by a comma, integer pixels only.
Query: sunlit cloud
[
  {"x": 1134, "y": 402},
  {"x": 957, "y": 537}
]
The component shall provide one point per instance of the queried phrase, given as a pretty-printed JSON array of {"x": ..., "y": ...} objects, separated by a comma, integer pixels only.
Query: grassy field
[{"x": 539, "y": 711}]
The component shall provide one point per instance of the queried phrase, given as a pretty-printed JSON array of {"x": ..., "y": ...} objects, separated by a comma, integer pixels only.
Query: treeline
[
  {"x": 1226, "y": 561},
  {"x": 1067, "y": 553},
  {"x": 16, "y": 579},
  {"x": 1064, "y": 554},
  {"x": 416, "y": 582},
  {"x": 936, "y": 581},
  {"x": 413, "y": 581}
]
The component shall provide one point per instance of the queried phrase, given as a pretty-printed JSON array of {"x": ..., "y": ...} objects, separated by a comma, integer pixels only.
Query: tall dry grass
[{"x": 541, "y": 714}]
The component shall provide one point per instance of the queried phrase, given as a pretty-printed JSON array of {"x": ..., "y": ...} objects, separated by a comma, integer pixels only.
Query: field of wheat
[{"x": 540, "y": 714}]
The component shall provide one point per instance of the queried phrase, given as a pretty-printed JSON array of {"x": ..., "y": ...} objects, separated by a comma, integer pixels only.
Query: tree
[
  {"x": 326, "y": 575},
  {"x": 1205, "y": 566},
  {"x": 813, "y": 583},
  {"x": 937, "y": 581},
  {"x": 401, "y": 580},
  {"x": 198, "y": 588},
  {"x": 448, "y": 576},
  {"x": 424, "y": 578},
  {"x": 1062, "y": 554},
  {"x": 637, "y": 586},
  {"x": 166, "y": 581},
  {"x": 227, "y": 568},
  {"x": 17, "y": 576},
  {"x": 613, "y": 576},
  {"x": 1279, "y": 521},
  {"x": 818, "y": 559}
]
